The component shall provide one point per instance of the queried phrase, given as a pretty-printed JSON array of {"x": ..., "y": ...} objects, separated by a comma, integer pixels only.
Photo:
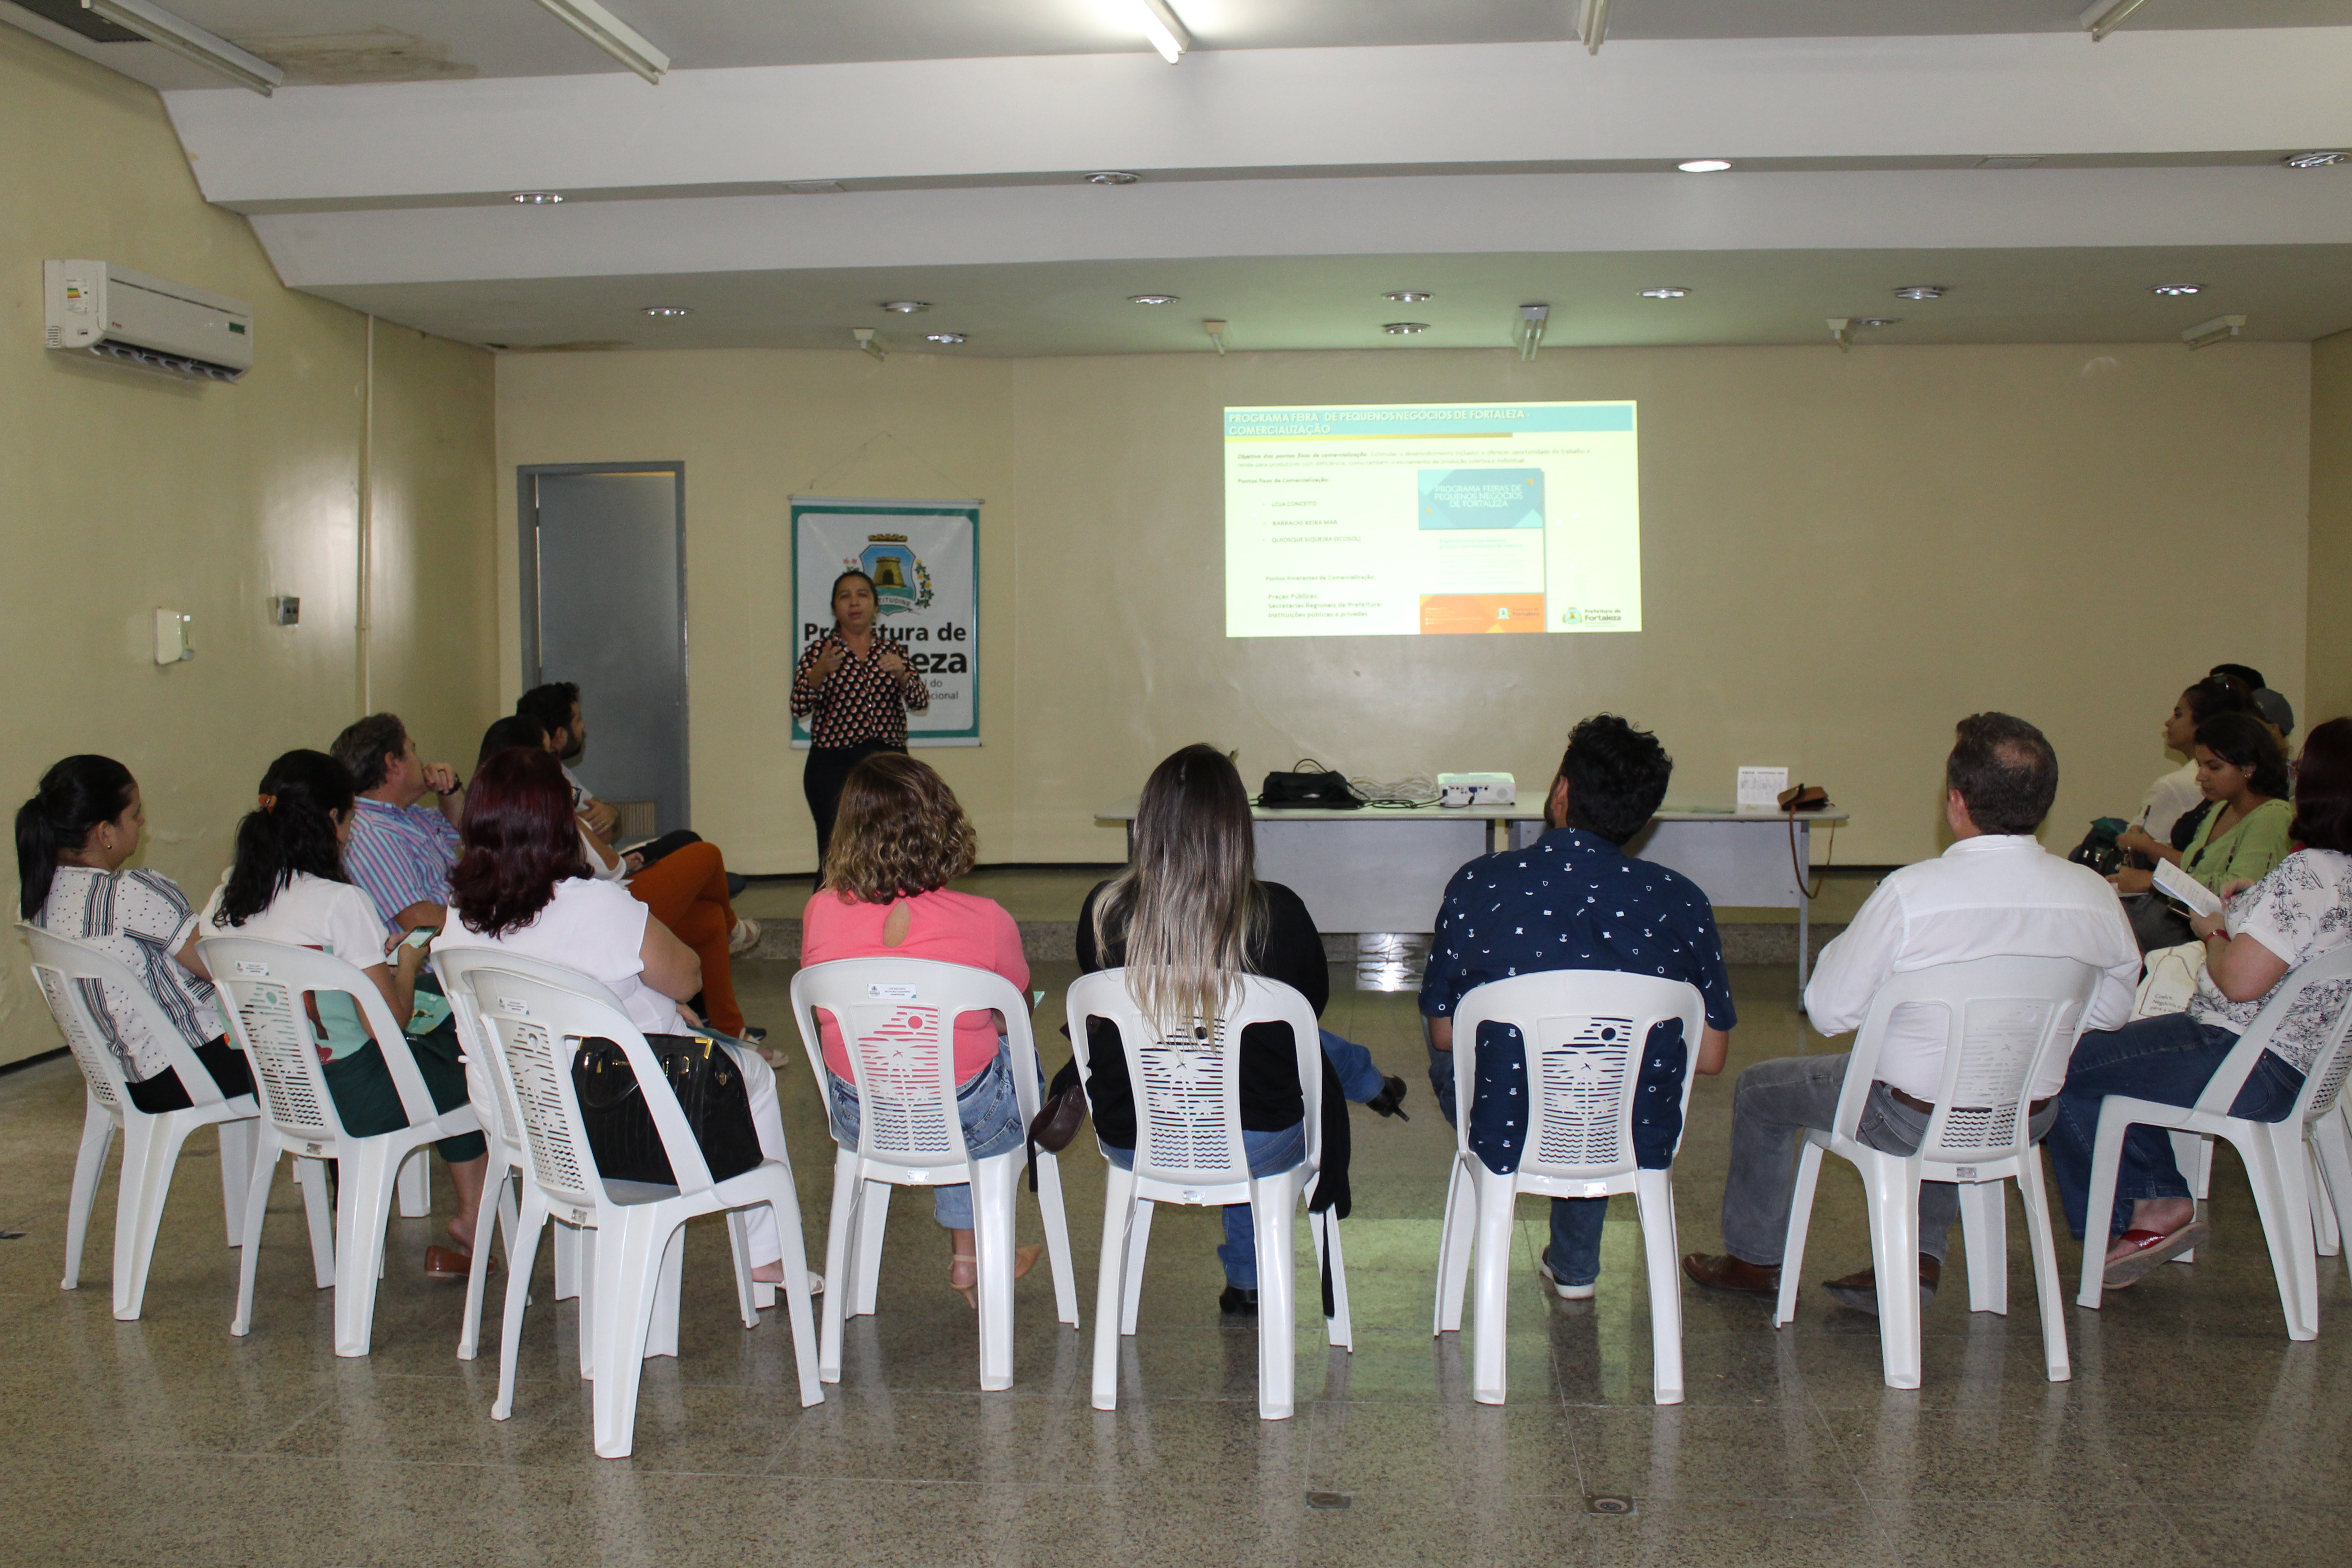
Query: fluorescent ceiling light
[
  {"x": 1704, "y": 165},
  {"x": 610, "y": 33},
  {"x": 1161, "y": 24},
  {"x": 190, "y": 42},
  {"x": 1592, "y": 23},
  {"x": 2205, "y": 334},
  {"x": 1529, "y": 334},
  {"x": 2103, "y": 16}
]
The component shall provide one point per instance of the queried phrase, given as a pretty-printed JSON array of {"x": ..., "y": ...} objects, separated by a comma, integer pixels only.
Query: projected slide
[{"x": 1377, "y": 520}]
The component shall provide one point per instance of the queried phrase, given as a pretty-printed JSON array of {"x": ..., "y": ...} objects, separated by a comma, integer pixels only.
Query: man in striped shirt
[{"x": 400, "y": 851}]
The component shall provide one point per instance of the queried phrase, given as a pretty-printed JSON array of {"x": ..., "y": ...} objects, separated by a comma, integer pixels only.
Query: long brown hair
[
  {"x": 900, "y": 831},
  {"x": 1189, "y": 906}
]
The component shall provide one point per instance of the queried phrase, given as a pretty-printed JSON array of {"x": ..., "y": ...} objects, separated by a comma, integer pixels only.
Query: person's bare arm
[
  {"x": 1440, "y": 1032},
  {"x": 192, "y": 961},
  {"x": 1714, "y": 1046},
  {"x": 2246, "y": 970},
  {"x": 422, "y": 912},
  {"x": 605, "y": 853},
  {"x": 397, "y": 981},
  {"x": 671, "y": 966},
  {"x": 442, "y": 780},
  {"x": 601, "y": 817}
]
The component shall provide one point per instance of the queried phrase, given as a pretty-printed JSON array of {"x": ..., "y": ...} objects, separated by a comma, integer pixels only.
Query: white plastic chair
[
  {"x": 2273, "y": 1151},
  {"x": 896, "y": 1018},
  {"x": 1583, "y": 1031},
  {"x": 534, "y": 1029},
  {"x": 73, "y": 978},
  {"x": 262, "y": 986},
  {"x": 1189, "y": 1149},
  {"x": 2005, "y": 1020}
]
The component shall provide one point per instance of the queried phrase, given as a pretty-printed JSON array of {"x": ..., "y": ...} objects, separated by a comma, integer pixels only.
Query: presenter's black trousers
[{"x": 828, "y": 769}]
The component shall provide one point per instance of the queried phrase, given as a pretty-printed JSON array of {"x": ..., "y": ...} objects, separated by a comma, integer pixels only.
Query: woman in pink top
[{"x": 899, "y": 838}]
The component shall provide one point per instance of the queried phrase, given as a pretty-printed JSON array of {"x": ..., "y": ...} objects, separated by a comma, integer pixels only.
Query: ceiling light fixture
[
  {"x": 1114, "y": 177},
  {"x": 1532, "y": 320},
  {"x": 668, "y": 312},
  {"x": 2103, "y": 16},
  {"x": 610, "y": 33},
  {"x": 1875, "y": 321},
  {"x": 1841, "y": 332},
  {"x": 1665, "y": 291},
  {"x": 1216, "y": 330},
  {"x": 2176, "y": 290},
  {"x": 866, "y": 345},
  {"x": 1404, "y": 328},
  {"x": 190, "y": 42},
  {"x": 1408, "y": 296},
  {"x": 2315, "y": 160},
  {"x": 2205, "y": 334},
  {"x": 1151, "y": 299},
  {"x": 1592, "y": 25},
  {"x": 950, "y": 338},
  {"x": 1164, "y": 27},
  {"x": 1704, "y": 165},
  {"x": 536, "y": 198},
  {"x": 1921, "y": 291},
  {"x": 2009, "y": 160},
  {"x": 906, "y": 307}
]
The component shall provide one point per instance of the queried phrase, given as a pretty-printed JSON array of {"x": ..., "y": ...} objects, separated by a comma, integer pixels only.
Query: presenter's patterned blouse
[{"x": 859, "y": 702}]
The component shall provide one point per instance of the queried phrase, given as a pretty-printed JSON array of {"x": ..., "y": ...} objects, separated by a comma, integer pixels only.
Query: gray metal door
[{"x": 604, "y": 601}]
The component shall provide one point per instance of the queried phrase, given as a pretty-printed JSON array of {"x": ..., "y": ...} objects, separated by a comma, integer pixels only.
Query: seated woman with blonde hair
[{"x": 898, "y": 839}]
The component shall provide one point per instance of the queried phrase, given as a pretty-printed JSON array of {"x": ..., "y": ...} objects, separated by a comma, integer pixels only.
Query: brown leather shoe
[
  {"x": 1735, "y": 1275},
  {"x": 448, "y": 1263},
  {"x": 1860, "y": 1290}
]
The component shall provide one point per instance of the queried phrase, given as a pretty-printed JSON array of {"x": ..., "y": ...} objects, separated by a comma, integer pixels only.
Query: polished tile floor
[{"x": 2193, "y": 1431}]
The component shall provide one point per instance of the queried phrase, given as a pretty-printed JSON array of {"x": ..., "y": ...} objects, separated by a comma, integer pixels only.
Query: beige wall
[
  {"x": 122, "y": 492},
  {"x": 2329, "y": 666},
  {"x": 1842, "y": 553}
]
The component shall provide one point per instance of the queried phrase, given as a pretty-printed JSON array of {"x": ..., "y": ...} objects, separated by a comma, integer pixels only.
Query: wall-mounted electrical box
[
  {"x": 285, "y": 610},
  {"x": 172, "y": 638}
]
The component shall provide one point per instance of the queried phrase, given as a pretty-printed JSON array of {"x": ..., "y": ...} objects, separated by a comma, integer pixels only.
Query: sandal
[
  {"x": 1024, "y": 1258},
  {"x": 2151, "y": 1248},
  {"x": 448, "y": 1263}
]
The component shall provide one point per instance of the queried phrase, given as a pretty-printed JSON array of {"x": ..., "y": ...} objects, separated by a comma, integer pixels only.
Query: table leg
[{"x": 1804, "y": 907}]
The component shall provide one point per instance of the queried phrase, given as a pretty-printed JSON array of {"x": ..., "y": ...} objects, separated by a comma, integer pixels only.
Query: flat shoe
[
  {"x": 1860, "y": 1290},
  {"x": 743, "y": 937},
  {"x": 2153, "y": 1247},
  {"x": 448, "y": 1263}
]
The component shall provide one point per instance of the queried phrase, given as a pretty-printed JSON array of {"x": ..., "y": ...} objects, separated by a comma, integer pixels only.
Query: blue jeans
[
  {"x": 1269, "y": 1153},
  {"x": 986, "y": 1105},
  {"x": 1360, "y": 1080},
  {"x": 2169, "y": 1059}
]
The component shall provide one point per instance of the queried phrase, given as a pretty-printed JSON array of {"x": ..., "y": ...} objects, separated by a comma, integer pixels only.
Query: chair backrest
[
  {"x": 2005, "y": 1020},
  {"x": 1583, "y": 1031},
  {"x": 262, "y": 986},
  {"x": 539, "y": 1023},
  {"x": 74, "y": 979},
  {"x": 456, "y": 966},
  {"x": 1187, "y": 1084},
  {"x": 2324, "y": 1084}
]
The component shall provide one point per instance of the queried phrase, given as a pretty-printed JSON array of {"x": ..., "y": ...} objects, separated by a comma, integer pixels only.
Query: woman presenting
[{"x": 854, "y": 687}]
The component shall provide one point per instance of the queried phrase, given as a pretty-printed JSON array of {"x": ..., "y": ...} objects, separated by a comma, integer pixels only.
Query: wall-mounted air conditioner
[{"x": 151, "y": 323}]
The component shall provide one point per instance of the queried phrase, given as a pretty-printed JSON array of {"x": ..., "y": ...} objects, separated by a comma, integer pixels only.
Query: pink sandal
[{"x": 2152, "y": 1249}]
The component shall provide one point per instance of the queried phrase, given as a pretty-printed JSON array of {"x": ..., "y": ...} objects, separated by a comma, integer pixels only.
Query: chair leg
[
  {"x": 1800, "y": 1225},
  {"x": 2048, "y": 1293},
  {"x": 1274, "y": 1202},
  {"x": 236, "y": 1168},
  {"x": 1653, "y": 1200},
  {"x": 661, "y": 1329},
  {"x": 90, "y": 1169},
  {"x": 523, "y": 1258},
  {"x": 1984, "y": 1234},
  {"x": 1453, "y": 1245},
  {"x": 151, "y": 1152},
  {"x": 363, "y": 1202},
  {"x": 501, "y": 1208},
  {"x": 1490, "y": 1305},
  {"x": 1119, "y": 1213},
  {"x": 786, "y": 1207},
  {"x": 1050, "y": 1210},
  {"x": 738, "y": 1254},
  {"x": 1324, "y": 1234},
  {"x": 992, "y": 1184},
  {"x": 1892, "y": 1189},
  {"x": 2099, "y": 1204},
  {"x": 2275, "y": 1163},
  {"x": 2192, "y": 1152},
  {"x": 249, "y": 1256},
  {"x": 2331, "y": 1154},
  {"x": 873, "y": 1217},
  {"x": 1139, "y": 1242},
  {"x": 567, "y": 1262},
  {"x": 584, "y": 1329},
  {"x": 840, "y": 1241},
  {"x": 416, "y": 1185},
  {"x": 317, "y": 1213},
  {"x": 629, "y": 1252}
]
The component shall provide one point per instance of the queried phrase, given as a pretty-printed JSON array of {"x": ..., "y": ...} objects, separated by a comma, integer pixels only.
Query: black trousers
[
  {"x": 828, "y": 769},
  {"x": 231, "y": 1075}
]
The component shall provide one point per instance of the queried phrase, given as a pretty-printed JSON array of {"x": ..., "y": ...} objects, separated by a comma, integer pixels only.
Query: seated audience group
[{"x": 344, "y": 853}]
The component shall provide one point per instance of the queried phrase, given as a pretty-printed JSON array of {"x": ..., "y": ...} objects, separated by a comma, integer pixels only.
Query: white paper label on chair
[
  {"x": 1191, "y": 1194},
  {"x": 891, "y": 993},
  {"x": 919, "y": 1175},
  {"x": 309, "y": 1148},
  {"x": 579, "y": 1216},
  {"x": 247, "y": 966},
  {"x": 518, "y": 1009},
  {"x": 1964, "y": 1172},
  {"x": 1596, "y": 1189}
]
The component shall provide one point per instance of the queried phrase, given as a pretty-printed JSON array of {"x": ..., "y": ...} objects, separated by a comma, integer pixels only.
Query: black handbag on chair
[{"x": 709, "y": 1087}]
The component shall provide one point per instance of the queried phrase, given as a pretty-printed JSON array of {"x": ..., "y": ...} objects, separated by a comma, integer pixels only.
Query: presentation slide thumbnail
[
  {"x": 1445, "y": 614},
  {"x": 1482, "y": 498}
]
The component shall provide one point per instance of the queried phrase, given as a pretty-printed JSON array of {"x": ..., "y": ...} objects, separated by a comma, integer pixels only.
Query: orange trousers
[{"x": 686, "y": 891}]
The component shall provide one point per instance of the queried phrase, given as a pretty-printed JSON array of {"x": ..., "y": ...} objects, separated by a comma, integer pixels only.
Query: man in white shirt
[{"x": 1995, "y": 892}]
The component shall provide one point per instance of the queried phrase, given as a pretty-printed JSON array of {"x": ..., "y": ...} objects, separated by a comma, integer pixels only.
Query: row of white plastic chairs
[{"x": 1582, "y": 1032}]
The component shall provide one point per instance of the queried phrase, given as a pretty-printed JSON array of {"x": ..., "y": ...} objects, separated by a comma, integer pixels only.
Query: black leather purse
[
  {"x": 622, "y": 1138},
  {"x": 1309, "y": 785}
]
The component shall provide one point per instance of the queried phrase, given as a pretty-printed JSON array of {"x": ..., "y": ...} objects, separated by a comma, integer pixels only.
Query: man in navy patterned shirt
[{"x": 1574, "y": 900}]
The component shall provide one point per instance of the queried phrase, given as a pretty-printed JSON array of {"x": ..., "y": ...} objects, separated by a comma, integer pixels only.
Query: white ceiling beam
[{"x": 2141, "y": 93}]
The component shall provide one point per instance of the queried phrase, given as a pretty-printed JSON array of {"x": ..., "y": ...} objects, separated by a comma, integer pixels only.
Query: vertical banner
[{"x": 924, "y": 558}]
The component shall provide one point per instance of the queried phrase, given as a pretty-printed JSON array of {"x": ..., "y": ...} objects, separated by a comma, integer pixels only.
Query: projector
[{"x": 1477, "y": 789}]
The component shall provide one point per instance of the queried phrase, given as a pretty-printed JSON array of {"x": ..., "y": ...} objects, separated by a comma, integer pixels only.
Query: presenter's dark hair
[
  {"x": 520, "y": 839},
  {"x": 1188, "y": 908},
  {"x": 290, "y": 830},
  {"x": 363, "y": 745},
  {"x": 2217, "y": 693},
  {"x": 2005, "y": 771},
  {"x": 75, "y": 797},
  {"x": 515, "y": 730},
  {"x": 2245, "y": 672},
  {"x": 2244, "y": 741},
  {"x": 550, "y": 704},
  {"x": 1616, "y": 776},
  {"x": 2323, "y": 788},
  {"x": 901, "y": 832}
]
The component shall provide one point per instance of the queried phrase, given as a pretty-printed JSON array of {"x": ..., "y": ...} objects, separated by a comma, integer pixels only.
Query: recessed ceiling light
[
  {"x": 906, "y": 307},
  {"x": 1408, "y": 296},
  {"x": 943, "y": 337},
  {"x": 1114, "y": 177},
  {"x": 1404, "y": 328},
  {"x": 2178, "y": 289},
  {"x": 536, "y": 198},
  {"x": 1920, "y": 291},
  {"x": 1665, "y": 291},
  {"x": 1704, "y": 165},
  {"x": 1151, "y": 299},
  {"x": 667, "y": 310},
  {"x": 1877, "y": 320},
  {"x": 2316, "y": 160}
]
